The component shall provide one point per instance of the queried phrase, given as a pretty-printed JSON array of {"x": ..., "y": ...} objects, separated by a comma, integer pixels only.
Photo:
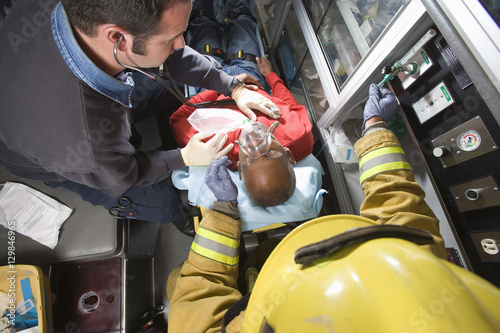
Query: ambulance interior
[{"x": 327, "y": 52}]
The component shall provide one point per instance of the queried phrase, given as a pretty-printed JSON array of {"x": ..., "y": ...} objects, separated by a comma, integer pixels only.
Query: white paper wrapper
[{"x": 32, "y": 213}]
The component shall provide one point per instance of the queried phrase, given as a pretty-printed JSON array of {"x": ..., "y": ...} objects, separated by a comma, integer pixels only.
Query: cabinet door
[
  {"x": 346, "y": 29},
  {"x": 493, "y": 8},
  {"x": 270, "y": 13},
  {"x": 297, "y": 68}
]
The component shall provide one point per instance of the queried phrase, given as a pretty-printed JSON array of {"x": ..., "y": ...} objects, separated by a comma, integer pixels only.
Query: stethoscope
[{"x": 165, "y": 73}]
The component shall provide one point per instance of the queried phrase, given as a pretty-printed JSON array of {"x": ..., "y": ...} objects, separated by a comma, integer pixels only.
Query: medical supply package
[
  {"x": 214, "y": 120},
  {"x": 29, "y": 212}
]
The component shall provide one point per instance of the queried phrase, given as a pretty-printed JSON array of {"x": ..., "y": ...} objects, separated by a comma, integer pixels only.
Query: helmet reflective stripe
[
  {"x": 382, "y": 160},
  {"x": 216, "y": 247}
]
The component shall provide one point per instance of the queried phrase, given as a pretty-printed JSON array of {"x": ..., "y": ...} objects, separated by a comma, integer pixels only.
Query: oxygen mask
[{"x": 255, "y": 138}]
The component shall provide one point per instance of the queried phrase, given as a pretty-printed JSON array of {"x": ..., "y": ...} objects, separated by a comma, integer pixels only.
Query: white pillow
[{"x": 304, "y": 204}]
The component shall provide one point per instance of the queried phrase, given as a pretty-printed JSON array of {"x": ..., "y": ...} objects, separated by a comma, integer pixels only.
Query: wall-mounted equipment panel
[
  {"x": 463, "y": 143},
  {"x": 458, "y": 136},
  {"x": 487, "y": 245},
  {"x": 433, "y": 102},
  {"x": 452, "y": 61},
  {"x": 477, "y": 194},
  {"x": 423, "y": 62}
]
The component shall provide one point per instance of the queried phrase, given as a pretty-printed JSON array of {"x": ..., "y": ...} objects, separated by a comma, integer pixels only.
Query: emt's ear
[
  {"x": 290, "y": 156},
  {"x": 113, "y": 34},
  {"x": 239, "y": 169}
]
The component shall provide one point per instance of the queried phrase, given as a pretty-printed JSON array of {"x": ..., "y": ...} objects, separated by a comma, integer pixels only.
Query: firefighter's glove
[
  {"x": 381, "y": 102},
  {"x": 219, "y": 181}
]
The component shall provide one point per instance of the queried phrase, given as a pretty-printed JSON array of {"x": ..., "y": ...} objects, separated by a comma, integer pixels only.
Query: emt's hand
[
  {"x": 198, "y": 152},
  {"x": 219, "y": 181},
  {"x": 264, "y": 66},
  {"x": 381, "y": 102},
  {"x": 247, "y": 100}
]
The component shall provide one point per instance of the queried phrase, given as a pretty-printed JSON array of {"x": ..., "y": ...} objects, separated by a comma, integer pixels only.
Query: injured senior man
[
  {"x": 265, "y": 166},
  {"x": 266, "y": 149}
]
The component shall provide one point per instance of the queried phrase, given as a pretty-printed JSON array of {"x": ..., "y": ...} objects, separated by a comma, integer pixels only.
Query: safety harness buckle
[
  {"x": 239, "y": 55},
  {"x": 213, "y": 51}
]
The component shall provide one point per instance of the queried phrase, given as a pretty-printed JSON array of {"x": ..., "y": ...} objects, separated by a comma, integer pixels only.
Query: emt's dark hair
[
  {"x": 140, "y": 18},
  {"x": 275, "y": 196}
]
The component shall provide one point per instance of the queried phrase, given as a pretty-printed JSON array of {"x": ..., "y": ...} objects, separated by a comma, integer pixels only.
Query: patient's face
[{"x": 268, "y": 171}]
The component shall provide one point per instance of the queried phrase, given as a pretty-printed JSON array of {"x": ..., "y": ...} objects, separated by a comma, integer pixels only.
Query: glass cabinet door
[
  {"x": 297, "y": 68},
  {"x": 317, "y": 10},
  {"x": 493, "y": 7},
  {"x": 346, "y": 29},
  {"x": 291, "y": 49},
  {"x": 270, "y": 13},
  {"x": 312, "y": 85}
]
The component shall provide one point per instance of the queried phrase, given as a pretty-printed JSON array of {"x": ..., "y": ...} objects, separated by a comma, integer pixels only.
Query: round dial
[{"x": 469, "y": 140}]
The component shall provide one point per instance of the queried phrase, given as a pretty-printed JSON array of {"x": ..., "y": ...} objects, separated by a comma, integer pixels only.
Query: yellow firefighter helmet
[{"x": 383, "y": 284}]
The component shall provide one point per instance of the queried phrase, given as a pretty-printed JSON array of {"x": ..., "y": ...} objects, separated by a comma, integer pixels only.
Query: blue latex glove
[
  {"x": 381, "y": 102},
  {"x": 219, "y": 181}
]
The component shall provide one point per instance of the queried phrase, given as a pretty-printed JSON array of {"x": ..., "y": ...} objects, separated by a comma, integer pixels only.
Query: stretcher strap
[
  {"x": 234, "y": 311},
  {"x": 240, "y": 55}
]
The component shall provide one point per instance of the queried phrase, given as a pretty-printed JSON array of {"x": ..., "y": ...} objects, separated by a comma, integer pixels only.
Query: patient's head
[{"x": 267, "y": 175}]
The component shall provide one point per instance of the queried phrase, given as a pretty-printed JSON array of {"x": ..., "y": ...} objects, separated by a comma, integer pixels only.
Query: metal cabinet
[{"x": 330, "y": 51}]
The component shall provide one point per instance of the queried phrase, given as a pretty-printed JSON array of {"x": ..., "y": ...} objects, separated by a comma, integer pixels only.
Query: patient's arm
[{"x": 280, "y": 90}]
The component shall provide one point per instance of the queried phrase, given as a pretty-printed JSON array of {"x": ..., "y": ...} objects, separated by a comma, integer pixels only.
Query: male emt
[{"x": 70, "y": 100}]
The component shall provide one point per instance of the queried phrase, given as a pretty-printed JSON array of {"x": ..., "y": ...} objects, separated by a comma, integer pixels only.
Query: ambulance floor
[{"x": 169, "y": 248}]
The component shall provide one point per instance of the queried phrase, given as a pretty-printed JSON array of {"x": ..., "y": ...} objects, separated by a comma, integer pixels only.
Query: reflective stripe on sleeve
[
  {"x": 382, "y": 160},
  {"x": 216, "y": 247}
]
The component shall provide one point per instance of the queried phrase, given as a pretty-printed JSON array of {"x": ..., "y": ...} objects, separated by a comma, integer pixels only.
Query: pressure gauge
[
  {"x": 469, "y": 140},
  {"x": 464, "y": 142}
]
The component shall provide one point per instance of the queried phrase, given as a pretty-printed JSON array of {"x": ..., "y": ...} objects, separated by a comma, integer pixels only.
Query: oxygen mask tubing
[{"x": 255, "y": 138}]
